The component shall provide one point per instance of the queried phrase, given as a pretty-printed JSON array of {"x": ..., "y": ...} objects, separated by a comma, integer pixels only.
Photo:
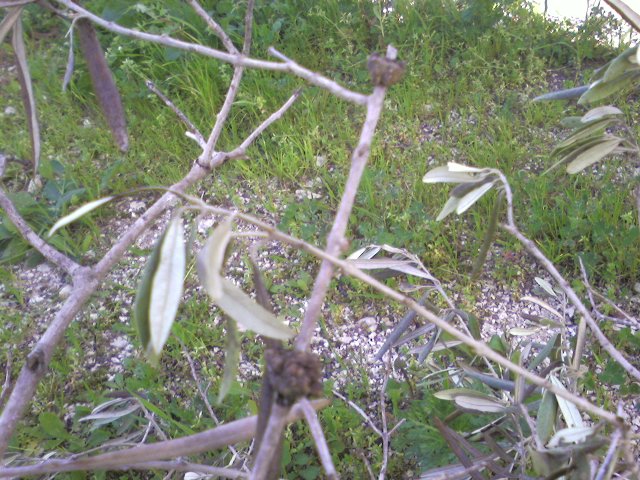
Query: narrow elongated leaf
[
  {"x": 570, "y": 412},
  {"x": 211, "y": 259},
  {"x": 472, "y": 197},
  {"x": 523, "y": 332},
  {"x": 442, "y": 174},
  {"x": 458, "y": 167},
  {"x": 600, "y": 112},
  {"x": 143, "y": 297},
  {"x": 601, "y": 89},
  {"x": 449, "y": 207},
  {"x": 583, "y": 133},
  {"x": 570, "y": 435},
  {"x": 546, "y": 418},
  {"x": 365, "y": 252},
  {"x": 546, "y": 286},
  {"x": 570, "y": 153},
  {"x": 9, "y": 20},
  {"x": 626, "y": 12},
  {"x": 103, "y": 84},
  {"x": 593, "y": 155},
  {"x": 545, "y": 352},
  {"x": 231, "y": 359},
  {"x": 478, "y": 403},
  {"x": 167, "y": 285},
  {"x": 490, "y": 380},
  {"x": 76, "y": 214},
  {"x": 621, "y": 64},
  {"x": 571, "y": 122},
  {"x": 240, "y": 307},
  {"x": 463, "y": 189},
  {"x": 562, "y": 94},
  {"x": 26, "y": 88}
]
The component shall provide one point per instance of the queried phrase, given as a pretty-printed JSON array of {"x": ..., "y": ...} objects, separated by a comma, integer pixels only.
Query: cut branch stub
[
  {"x": 103, "y": 84},
  {"x": 385, "y": 71},
  {"x": 293, "y": 374}
]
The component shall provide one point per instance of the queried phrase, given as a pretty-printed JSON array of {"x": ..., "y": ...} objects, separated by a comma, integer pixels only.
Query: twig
[
  {"x": 609, "y": 462},
  {"x": 269, "y": 445},
  {"x": 219, "y": 437},
  {"x": 239, "y": 60},
  {"x": 360, "y": 412},
  {"x": 223, "y": 114},
  {"x": 480, "y": 347},
  {"x": 319, "y": 439},
  {"x": 7, "y": 378},
  {"x": 51, "y": 254},
  {"x": 628, "y": 320},
  {"x": 202, "y": 394},
  {"x": 87, "y": 281},
  {"x": 571, "y": 294},
  {"x": 180, "y": 466},
  {"x": 336, "y": 241},
  {"x": 190, "y": 126},
  {"x": 214, "y": 26}
]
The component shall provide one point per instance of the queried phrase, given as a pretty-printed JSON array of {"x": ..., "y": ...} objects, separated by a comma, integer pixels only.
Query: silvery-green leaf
[
  {"x": 167, "y": 285},
  {"x": 620, "y": 64},
  {"x": 28, "y": 99},
  {"x": 231, "y": 359},
  {"x": 593, "y": 155},
  {"x": 546, "y": 418},
  {"x": 570, "y": 153},
  {"x": 523, "y": 332},
  {"x": 449, "y": 207},
  {"x": 601, "y": 89},
  {"x": 211, "y": 258},
  {"x": 542, "y": 304},
  {"x": 546, "y": 286},
  {"x": 583, "y": 133},
  {"x": 626, "y": 12},
  {"x": 76, "y": 214},
  {"x": 472, "y": 197},
  {"x": 570, "y": 435},
  {"x": 464, "y": 188},
  {"x": 570, "y": 412},
  {"x": 143, "y": 297},
  {"x": 571, "y": 122},
  {"x": 442, "y": 174},
  {"x": 369, "y": 251},
  {"x": 562, "y": 94},
  {"x": 480, "y": 403},
  {"x": 458, "y": 167},
  {"x": 240, "y": 307},
  {"x": 600, "y": 112},
  {"x": 9, "y": 20}
]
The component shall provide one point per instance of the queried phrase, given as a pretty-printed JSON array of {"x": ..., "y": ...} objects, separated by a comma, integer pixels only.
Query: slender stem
[
  {"x": 51, "y": 254},
  {"x": 240, "y": 60},
  {"x": 181, "y": 466},
  {"x": 214, "y": 26},
  {"x": 219, "y": 437},
  {"x": 336, "y": 241},
  {"x": 319, "y": 439},
  {"x": 570, "y": 292},
  {"x": 270, "y": 441}
]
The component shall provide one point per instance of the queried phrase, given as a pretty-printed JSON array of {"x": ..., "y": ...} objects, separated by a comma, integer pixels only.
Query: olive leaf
[
  {"x": 231, "y": 359},
  {"x": 76, "y": 214},
  {"x": 103, "y": 84},
  {"x": 160, "y": 289},
  {"x": 227, "y": 296}
]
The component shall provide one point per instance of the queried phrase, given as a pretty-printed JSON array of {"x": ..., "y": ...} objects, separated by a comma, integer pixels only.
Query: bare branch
[
  {"x": 51, "y": 254},
  {"x": 180, "y": 466},
  {"x": 269, "y": 445},
  {"x": 361, "y": 412},
  {"x": 609, "y": 462},
  {"x": 248, "y": 28},
  {"x": 238, "y": 60},
  {"x": 190, "y": 126},
  {"x": 319, "y": 439},
  {"x": 336, "y": 241},
  {"x": 6, "y": 386},
  {"x": 214, "y": 26},
  {"x": 219, "y": 437}
]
